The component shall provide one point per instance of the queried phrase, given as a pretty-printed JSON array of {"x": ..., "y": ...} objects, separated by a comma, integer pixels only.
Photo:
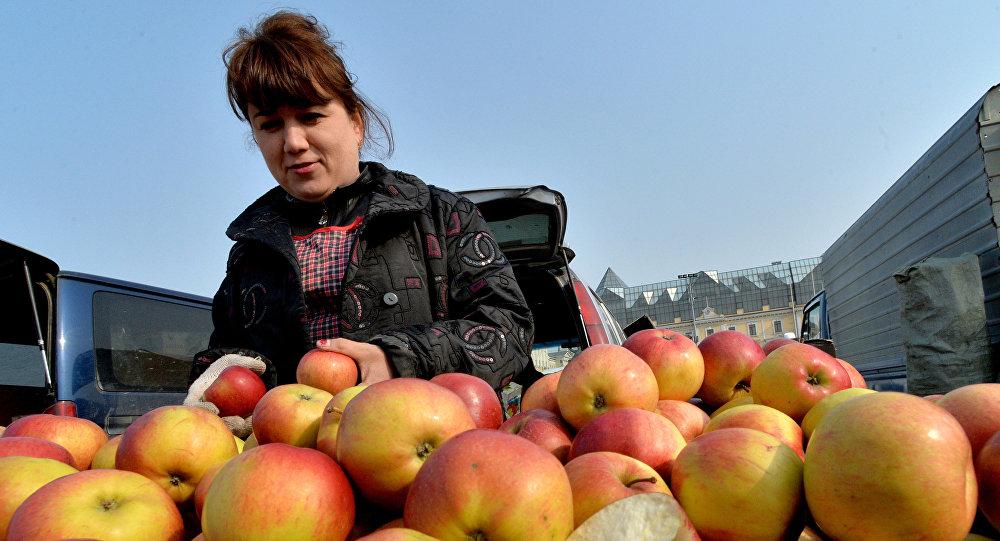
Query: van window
[
  {"x": 810, "y": 325},
  {"x": 20, "y": 357},
  {"x": 143, "y": 344}
]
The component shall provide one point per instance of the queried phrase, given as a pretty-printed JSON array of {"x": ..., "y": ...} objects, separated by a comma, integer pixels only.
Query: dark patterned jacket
[{"x": 426, "y": 282}]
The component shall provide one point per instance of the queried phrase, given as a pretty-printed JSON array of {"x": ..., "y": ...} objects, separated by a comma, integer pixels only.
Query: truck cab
[{"x": 102, "y": 349}]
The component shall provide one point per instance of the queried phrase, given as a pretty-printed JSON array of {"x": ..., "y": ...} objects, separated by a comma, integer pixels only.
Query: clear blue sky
[{"x": 685, "y": 137}]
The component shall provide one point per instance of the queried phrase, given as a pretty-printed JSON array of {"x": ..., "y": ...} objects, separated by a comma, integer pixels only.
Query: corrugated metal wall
[{"x": 939, "y": 207}]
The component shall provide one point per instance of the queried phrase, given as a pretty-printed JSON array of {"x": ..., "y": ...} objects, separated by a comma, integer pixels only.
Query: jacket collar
[{"x": 393, "y": 192}]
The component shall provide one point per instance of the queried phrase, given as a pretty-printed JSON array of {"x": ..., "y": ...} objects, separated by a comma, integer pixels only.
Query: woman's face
[{"x": 311, "y": 151}]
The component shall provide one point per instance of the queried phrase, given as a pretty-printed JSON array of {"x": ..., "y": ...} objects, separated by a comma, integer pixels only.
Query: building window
[
  {"x": 752, "y": 329},
  {"x": 777, "y": 327},
  {"x": 731, "y": 327},
  {"x": 709, "y": 331}
]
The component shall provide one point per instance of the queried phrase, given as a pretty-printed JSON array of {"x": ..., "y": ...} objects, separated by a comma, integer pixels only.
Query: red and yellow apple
[
  {"x": 98, "y": 504},
  {"x": 35, "y": 447},
  {"x": 542, "y": 394},
  {"x": 763, "y": 418},
  {"x": 603, "y": 477},
  {"x": 390, "y": 429},
  {"x": 290, "y": 414},
  {"x": 20, "y": 477},
  {"x": 823, "y": 407},
  {"x": 491, "y": 485},
  {"x": 739, "y": 483},
  {"x": 977, "y": 408},
  {"x": 857, "y": 380},
  {"x": 329, "y": 424},
  {"x": 105, "y": 456},
  {"x": 202, "y": 489},
  {"x": 81, "y": 437},
  {"x": 174, "y": 446},
  {"x": 602, "y": 378},
  {"x": 794, "y": 377},
  {"x": 674, "y": 358},
  {"x": 327, "y": 370},
  {"x": 988, "y": 473},
  {"x": 279, "y": 491},
  {"x": 544, "y": 428},
  {"x": 730, "y": 358},
  {"x": 236, "y": 391},
  {"x": 890, "y": 465},
  {"x": 479, "y": 397},
  {"x": 741, "y": 400},
  {"x": 397, "y": 533},
  {"x": 776, "y": 343},
  {"x": 640, "y": 434},
  {"x": 687, "y": 417}
]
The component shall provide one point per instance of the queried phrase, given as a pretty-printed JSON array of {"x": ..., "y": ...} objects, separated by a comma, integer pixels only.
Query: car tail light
[
  {"x": 66, "y": 408},
  {"x": 592, "y": 323}
]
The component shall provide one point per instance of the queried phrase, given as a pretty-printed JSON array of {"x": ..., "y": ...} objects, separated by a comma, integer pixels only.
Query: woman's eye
[
  {"x": 311, "y": 118},
  {"x": 269, "y": 125}
]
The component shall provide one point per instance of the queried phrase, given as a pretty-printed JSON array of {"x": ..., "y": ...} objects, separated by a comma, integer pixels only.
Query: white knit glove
[{"x": 239, "y": 426}]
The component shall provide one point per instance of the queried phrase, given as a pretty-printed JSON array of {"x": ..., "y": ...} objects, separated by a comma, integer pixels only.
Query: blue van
[{"x": 89, "y": 346}]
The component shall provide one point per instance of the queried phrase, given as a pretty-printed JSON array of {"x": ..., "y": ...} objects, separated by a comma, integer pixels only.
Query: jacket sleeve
[
  {"x": 225, "y": 339},
  {"x": 488, "y": 330}
]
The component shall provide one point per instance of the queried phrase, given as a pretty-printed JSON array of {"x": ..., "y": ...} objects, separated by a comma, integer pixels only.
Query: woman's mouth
[{"x": 303, "y": 168}]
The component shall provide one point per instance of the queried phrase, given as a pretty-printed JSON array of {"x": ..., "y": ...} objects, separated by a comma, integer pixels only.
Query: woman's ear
[{"x": 359, "y": 128}]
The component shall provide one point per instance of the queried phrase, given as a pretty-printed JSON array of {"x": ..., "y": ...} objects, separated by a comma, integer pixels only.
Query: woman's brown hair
[{"x": 288, "y": 59}]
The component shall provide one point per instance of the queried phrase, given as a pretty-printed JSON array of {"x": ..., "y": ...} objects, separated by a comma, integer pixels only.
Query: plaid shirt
[{"x": 323, "y": 256}]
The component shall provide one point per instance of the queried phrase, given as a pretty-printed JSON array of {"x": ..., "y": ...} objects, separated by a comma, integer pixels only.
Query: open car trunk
[
  {"x": 529, "y": 225},
  {"x": 24, "y": 386}
]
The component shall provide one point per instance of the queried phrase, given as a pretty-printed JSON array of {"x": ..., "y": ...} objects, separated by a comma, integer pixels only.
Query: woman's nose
[{"x": 295, "y": 140}]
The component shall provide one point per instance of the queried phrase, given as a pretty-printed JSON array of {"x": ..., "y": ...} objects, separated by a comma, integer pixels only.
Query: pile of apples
[{"x": 657, "y": 439}]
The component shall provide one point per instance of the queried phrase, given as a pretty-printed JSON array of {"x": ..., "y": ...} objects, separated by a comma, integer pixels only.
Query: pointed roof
[{"x": 610, "y": 281}]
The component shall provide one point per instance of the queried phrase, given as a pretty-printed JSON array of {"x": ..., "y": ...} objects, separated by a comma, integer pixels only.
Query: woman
[{"x": 346, "y": 255}]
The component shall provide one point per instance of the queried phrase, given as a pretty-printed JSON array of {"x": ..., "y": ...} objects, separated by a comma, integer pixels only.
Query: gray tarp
[{"x": 944, "y": 325}]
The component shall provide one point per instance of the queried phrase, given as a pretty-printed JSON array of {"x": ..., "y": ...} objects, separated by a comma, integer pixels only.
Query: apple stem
[
  {"x": 743, "y": 386},
  {"x": 599, "y": 402},
  {"x": 108, "y": 505},
  {"x": 477, "y": 536},
  {"x": 812, "y": 380},
  {"x": 424, "y": 450},
  {"x": 646, "y": 480}
]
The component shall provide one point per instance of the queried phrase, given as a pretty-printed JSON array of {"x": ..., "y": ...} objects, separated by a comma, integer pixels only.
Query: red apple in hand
[
  {"x": 674, "y": 358},
  {"x": 327, "y": 370},
  {"x": 602, "y": 378},
  {"x": 730, "y": 358},
  {"x": 600, "y": 478},
  {"x": 236, "y": 391},
  {"x": 481, "y": 399},
  {"x": 542, "y": 394},
  {"x": 544, "y": 428},
  {"x": 795, "y": 377}
]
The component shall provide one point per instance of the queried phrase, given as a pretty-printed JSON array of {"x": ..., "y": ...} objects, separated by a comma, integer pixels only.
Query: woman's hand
[{"x": 373, "y": 365}]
